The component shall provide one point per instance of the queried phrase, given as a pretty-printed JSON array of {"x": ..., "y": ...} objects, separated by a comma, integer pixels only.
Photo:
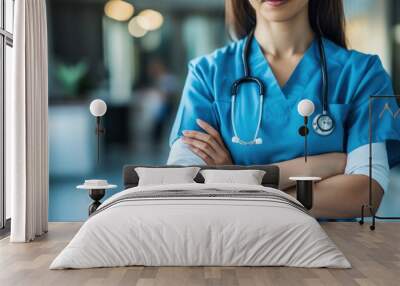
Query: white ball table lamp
[
  {"x": 98, "y": 108},
  {"x": 97, "y": 188},
  {"x": 306, "y": 109},
  {"x": 304, "y": 185}
]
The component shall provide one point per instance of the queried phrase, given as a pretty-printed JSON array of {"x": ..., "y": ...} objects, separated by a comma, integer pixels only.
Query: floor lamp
[{"x": 369, "y": 206}]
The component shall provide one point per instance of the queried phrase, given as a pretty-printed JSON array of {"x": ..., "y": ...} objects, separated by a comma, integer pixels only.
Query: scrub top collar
[{"x": 308, "y": 65}]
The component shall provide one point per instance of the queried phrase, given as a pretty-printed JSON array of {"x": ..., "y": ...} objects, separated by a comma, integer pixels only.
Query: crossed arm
[{"x": 336, "y": 196}]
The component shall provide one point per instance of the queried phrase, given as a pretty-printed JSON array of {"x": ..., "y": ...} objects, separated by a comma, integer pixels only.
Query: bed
[{"x": 197, "y": 224}]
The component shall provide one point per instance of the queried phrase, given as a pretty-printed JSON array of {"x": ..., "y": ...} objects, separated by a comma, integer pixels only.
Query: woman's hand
[{"x": 208, "y": 146}]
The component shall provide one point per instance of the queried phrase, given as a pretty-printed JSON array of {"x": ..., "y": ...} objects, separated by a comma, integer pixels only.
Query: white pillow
[
  {"x": 248, "y": 177},
  {"x": 165, "y": 176}
]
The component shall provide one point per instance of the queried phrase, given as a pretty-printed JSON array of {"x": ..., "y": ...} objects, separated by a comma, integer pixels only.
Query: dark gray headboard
[{"x": 271, "y": 177}]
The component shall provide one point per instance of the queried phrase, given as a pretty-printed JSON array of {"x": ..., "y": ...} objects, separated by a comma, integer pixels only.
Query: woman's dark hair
[{"x": 326, "y": 19}]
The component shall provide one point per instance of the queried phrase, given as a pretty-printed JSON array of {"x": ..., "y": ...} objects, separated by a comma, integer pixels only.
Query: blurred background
[{"x": 134, "y": 55}]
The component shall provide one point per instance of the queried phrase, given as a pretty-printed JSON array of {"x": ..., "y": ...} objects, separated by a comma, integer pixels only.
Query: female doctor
[{"x": 291, "y": 50}]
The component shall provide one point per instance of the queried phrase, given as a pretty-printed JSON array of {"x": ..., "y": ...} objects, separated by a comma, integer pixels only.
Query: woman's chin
[
  {"x": 281, "y": 10},
  {"x": 276, "y": 16}
]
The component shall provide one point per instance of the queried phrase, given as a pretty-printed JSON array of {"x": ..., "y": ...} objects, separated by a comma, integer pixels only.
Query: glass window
[
  {"x": 1, "y": 13},
  {"x": 9, "y": 9},
  {"x": 6, "y": 65},
  {"x": 7, "y": 95},
  {"x": 2, "y": 195}
]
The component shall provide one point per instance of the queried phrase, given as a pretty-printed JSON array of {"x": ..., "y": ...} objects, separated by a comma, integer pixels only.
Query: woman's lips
[{"x": 275, "y": 3}]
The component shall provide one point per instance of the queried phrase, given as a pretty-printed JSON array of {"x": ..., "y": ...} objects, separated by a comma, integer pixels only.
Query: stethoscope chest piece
[{"x": 323, "y": 124}]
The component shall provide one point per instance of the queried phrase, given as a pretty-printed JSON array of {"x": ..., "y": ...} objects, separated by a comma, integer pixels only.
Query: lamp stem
[
  {"x": 98, "y": 138},
  {"x": 305, "y": 138}
]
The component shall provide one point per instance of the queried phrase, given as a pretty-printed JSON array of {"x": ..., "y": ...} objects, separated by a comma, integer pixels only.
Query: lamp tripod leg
[
  {"x": 372, "y": 227},
  {"x": 361, "y": 222}
]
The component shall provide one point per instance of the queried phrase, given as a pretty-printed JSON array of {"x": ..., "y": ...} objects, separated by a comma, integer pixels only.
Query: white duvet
[{"x": 202, "y": 231}]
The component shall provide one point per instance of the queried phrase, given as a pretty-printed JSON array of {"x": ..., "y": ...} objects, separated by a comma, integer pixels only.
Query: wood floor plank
[{"x": 375, "y": 258}]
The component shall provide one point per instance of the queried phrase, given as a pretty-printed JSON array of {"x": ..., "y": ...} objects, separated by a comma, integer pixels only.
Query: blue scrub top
[{"x": 352, "y": 76}]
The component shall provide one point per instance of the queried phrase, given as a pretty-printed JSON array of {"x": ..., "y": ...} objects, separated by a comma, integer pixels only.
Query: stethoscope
[{"x": 323, "y": 123}]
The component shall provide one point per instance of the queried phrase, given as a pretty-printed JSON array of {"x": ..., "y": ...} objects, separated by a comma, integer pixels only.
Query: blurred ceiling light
[
  {"x": 119, "y": 10},
  {"x": 150, "y": 20},
  {"x": 135, "y": 29}
]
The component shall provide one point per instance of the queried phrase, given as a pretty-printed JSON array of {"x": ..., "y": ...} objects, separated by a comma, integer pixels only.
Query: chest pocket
[{"x": 335, "y": 142}]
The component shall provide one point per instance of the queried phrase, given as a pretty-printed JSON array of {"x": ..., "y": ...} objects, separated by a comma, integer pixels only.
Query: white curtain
[{"x": 26, "y": 124}]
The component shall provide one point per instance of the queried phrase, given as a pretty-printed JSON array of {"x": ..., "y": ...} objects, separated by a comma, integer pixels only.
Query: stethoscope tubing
[
  {"x": 324, "y": 73},
  {"x": 247, "y": 78}
]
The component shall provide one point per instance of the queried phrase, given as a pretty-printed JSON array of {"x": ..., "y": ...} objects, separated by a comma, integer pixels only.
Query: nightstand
[
  {"x": 304, "y": 190},
  {"x": 97, "y": 190}
]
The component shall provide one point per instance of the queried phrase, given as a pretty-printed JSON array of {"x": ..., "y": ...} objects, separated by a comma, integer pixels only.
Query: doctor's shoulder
[
  {"x": 222, "y": 60},
  {"x": 364, "y": 74}
]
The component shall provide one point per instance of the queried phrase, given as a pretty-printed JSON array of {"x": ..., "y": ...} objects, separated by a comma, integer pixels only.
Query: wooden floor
[{"x": 375, "y": 257}]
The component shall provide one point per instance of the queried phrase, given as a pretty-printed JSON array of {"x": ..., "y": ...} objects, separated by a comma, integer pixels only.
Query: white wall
[
  {"x": 119, "y": 57},
  {"x": 368, "y": 28},
  {"x": 72, "y": 140}
]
